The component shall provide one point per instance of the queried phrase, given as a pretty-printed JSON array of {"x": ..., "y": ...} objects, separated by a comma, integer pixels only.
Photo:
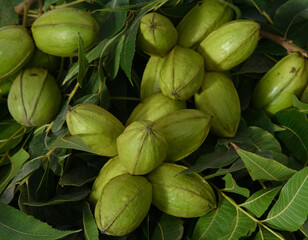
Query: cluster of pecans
[
  {"x": 185, "y": 62},
  {"x": 27, "y": 65}
]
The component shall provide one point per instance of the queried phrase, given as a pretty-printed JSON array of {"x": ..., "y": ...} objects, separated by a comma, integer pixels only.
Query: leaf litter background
[{"x": 260, "y": 175}]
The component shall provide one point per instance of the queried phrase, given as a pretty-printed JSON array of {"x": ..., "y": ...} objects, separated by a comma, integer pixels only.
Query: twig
[
  {"x": 19, "y": 9},
  {"x": 287, "y": 44}
]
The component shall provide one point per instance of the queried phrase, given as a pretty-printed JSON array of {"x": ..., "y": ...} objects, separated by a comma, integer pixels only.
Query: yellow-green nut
[
  {"x": 229, "y": 45},
  {"x": 142, "y": 147},
  {"x": 185, "y": 130},
  {"x": 201, "y": 20},
  {"x": 150, "y": 78},
  {"x": 16, "y": 48},
  {"x": 123, "y": 204},
  {"x": 111, "y": 169},
  {"x": 274, "y": 91},
  {"x": 181, "y": 73},
  {"x": 97, "y": 127},
  {"x": 219, "y": 98},
  {"x": 43, "y": 60},
  {"x": 34, "y": 98},
  {"x": 157, "y": 34},
  {"x": 181, "y": 195},
  {"x": 57, "y": 31},
  {"x": 5, "y": 85},
  {"x": 154, "y": 107}
]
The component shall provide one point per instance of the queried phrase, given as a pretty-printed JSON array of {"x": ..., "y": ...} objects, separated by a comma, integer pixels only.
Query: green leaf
[
  {"x": 112, "y": 63},
  {"x": 129, "y": 42},
  {"x": 37, "y": 147},
  {"x": 89, "y": 225},
  {"x": 60, "y": 119},
  {"x": 259, "y": 119},
  {"x": 221, "y": 157},
  {"x": 111, "y": 22},
  {"x": 264, "y": 234},
  {"x": 71, "y": 142},
  {"x": 241, "y": 226},
  {"x": 260, "y": 201},
  {"x": 8, "y": 194},
  {"x": 261, "y": 168},
  {"x": 26, "y": 169},
  {"x": 263, "y": 140},
  {"x": 7, "y": 13},
  {"x": 15, "y": 224},
  {"x": 44, "y": 192},
  {"x": 256, "y": 63},
  {"x": 212, "y": 225},
  {"x": 72, "y": 196},
  {"x": 231, "y": 186},
  {"x": 10, "y": 135},
  {"x": 17, "y": 160},
  {"x": 79, "y": 174},
  {"x": 93, "y": 54},
  {"x": 295, "y": 136},
  {"x": 236, "y": 166},
  {"x": 288, "y": 14},
  {"x": 302, "y": 107},
  {"x": 168, "y": 227},
  {"x": 83, "y": 63},
  {"x": 226, "y": 222},
  {"x": 291, "y": 209}
]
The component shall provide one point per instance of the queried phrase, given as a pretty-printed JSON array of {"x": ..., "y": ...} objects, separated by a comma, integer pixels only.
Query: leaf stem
[
  {"x": 262, "y": 12},
  {"x": 73, "y": 92},
  {"x": 246, "y": 213},
  {"x": 3, "y": 157},
  {"x": 24, "y": 20},
  {"x": 301, "y": 229},
  {"x": 33, "y": 12},
  {"x": 287, "y": 44}
]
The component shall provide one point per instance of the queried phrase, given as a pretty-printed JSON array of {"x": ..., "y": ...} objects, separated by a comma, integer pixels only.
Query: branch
[
  {"x": 19, "y": 9},
  {"x": 287, "y": 44}
]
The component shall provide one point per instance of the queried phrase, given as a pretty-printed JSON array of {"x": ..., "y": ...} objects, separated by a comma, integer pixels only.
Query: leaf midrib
[{"x": 292, "y": 200}]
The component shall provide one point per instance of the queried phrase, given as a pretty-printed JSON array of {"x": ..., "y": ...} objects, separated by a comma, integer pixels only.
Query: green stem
[
  {"x": 246, "y": 213},
  {"x": 24, "y": 20},
  {"x": 33, "y": 12},
  {"x": 3, "y": 157},
  {"x": 71, "y": 61},
  {"x": 262, "y": 12},
  {"x": 301, "y": 229},
  {"x": 73, "y": 93}
]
